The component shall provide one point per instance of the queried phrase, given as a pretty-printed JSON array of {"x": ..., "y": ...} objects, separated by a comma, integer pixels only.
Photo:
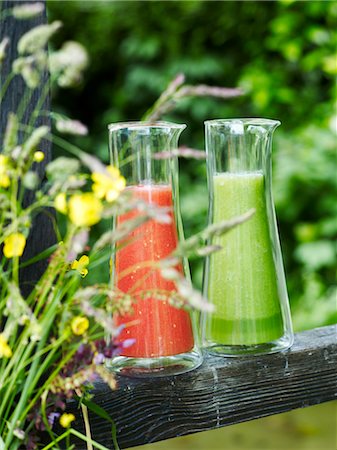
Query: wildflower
[
  {"x": 183, "y": 151},
  {"x": 85, "y": 209},
  {"x": 4, "y": 165},
  {"x": 30, "y": 180},
  {"x": 3, "y": 45},
  {"x": 34, "y": 140},
  {"x": 38, "y": 156},
  {"x": 71, "y": 127},
  {"x": 203, "y": 90},
  {"x": 4, "y": 162},
  {"x": 60, "y": 203},
  {"x": 93, "y": 163},
  {"x": 11, "y": 133},
  {"x": 81, "y": 265},
  {"x": 108, "y": 185},
  {"x": 20, "y": 434},
  {"x": 78, "y": 244},
  {"x": 31, "y": 68},
  {"x": 79, "y": 325},
  {"x": 27, "y": 10},
  {"x": 5, "y": 350},
  {"x": 66, "y": 419},
  {"x": 62, "y": 168},
  {"x": 14, "y": 245},
  {"x": 107, "y": 376},
  {"x": 108, "y": 349},
  {"x": 35, "y": 330},
  {"x": 68, "y": 63},
  {"x": 52, "y": 416},
  {"x": 37, "y": 38}
]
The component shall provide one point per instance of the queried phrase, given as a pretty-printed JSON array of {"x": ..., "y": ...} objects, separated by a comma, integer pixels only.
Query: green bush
[{"x": 282, "y": 53}]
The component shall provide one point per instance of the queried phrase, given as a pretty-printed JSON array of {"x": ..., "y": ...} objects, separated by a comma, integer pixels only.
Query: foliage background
[{"x": 283, "y": 53}]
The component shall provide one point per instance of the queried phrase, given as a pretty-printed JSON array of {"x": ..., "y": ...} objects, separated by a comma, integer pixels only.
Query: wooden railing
[{"x": 223, "y": 391}]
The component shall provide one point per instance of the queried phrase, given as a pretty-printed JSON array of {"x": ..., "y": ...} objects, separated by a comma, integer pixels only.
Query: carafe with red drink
[{"x": 164, "y": 338}]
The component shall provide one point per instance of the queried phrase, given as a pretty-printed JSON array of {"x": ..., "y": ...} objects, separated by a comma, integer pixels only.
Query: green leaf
[
  {"x": 43, "y": 255},
  {"x": 97, "y": 410},
  {"x": 102, "y": 413}
]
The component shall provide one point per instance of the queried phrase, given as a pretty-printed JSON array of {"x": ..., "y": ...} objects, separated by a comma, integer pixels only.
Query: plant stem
[
  {"x": 42, "y": 98},
  {"x": 5, "y": 85},
  {"x": 44, "y": 397},
  {"x": 23, "y": 103},
  {"x": 77, "y": 434},
  {"x": 47, "y": 383},
  {"x": 87, "y": 425},
  {"x": 31, "y": 380},
  {"x": 58, "y": 439}
]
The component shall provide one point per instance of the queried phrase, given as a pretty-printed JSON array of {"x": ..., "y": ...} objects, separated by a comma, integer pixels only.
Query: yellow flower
[
  {"x": 4, "y": 180},
  {"x": 81, "y": 265},
  {"x": 4, "y": 162},
  {"x": 5, "y": 350},
  {"x": 85, "y": 209},
  {"x": 38, "y": 156},
  {"x": 108, "y": 186},
  {"x": 14, "y": 245},
  {"x": 66, "y": 419},
  {"x": 60, "y": 203},
  {"x": 79, "y": 325},
  {"x": 4, "y": 165}
]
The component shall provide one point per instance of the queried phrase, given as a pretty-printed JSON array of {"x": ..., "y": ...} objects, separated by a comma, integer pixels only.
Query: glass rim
[
  {"x": 136, "y": 124},
  {"x": 244, "y": 121}
]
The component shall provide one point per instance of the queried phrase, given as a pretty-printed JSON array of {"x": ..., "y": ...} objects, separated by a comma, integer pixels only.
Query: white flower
[
  {"x": 3, "y": 45},
  {"x": 62, "y": 168},
  {"x": 37, "y": 38},
  {"x": 71, "y": 127},
  {"x": 25, "y": 68},
  {"x": 68, "y": 63},
  {"x": 34, "y": 140},
  {"x": 35, "y": 331},
  {"x": 27, "y": 10},
  {"x": 30, "y": 180},
  {"x": 31, "y": 67},
  {"x": 78, "y": 243},
  {"x": 20, "y": 434}
]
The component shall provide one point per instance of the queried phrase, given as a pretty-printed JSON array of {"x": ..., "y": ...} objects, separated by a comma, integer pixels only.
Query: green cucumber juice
[{"x": 242, "y": 278}]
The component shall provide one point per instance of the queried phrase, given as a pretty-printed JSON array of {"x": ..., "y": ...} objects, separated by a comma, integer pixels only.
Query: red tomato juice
[{"x": 159, "y": 329}]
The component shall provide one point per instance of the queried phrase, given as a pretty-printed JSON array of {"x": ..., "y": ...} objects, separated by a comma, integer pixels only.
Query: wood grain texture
[
  {"x": 223, "y": 391},
  {"x": 42, "y": 234}
]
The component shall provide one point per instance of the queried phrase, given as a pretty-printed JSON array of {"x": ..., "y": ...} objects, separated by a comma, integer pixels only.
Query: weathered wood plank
[
  {"x": 223, "y": 391},
  {"x": 42, "y": 235}
]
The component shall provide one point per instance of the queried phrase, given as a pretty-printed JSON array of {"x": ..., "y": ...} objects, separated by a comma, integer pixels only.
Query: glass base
[
  {"x": 249, "y": 350},
  {"x": 155, "y": 367}
]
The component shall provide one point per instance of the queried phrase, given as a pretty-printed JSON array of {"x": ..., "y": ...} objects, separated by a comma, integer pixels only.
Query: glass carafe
[
  {"x": 245, "y": 280},
  {"x": 165, "y": 337}
]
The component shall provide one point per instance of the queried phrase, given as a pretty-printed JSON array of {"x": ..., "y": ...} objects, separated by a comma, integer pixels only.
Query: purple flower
[
  {"x": 99, "y": 358},
  {"x": 127, "y": 343},
  {"x": 52, "y": 417}
]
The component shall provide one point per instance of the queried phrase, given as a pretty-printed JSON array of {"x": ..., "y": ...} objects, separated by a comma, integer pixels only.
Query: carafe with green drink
[{"x": 244, "y": 280}]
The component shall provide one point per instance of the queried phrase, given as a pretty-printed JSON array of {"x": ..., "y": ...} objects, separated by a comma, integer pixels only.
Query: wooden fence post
[{"x": 42, "y": 234}]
